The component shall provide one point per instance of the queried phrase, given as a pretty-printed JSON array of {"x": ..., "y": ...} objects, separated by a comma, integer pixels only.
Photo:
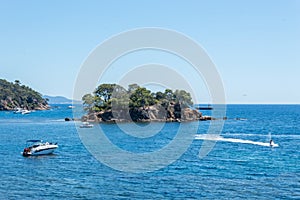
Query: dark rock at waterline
[
  {"x": 67, "y": 119},
  {"x": 139, "y": 114}
]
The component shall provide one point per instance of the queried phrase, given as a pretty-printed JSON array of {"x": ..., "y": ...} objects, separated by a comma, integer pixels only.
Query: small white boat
[
  {"x": 86, "y": 125},
  {"x": 71, "y": 107},
  {"x": 24, "y": 112},
  {"x": 21, "y": 111},
  {"x": 37, "y": 147},
  {"x": 18, "y": 110}
]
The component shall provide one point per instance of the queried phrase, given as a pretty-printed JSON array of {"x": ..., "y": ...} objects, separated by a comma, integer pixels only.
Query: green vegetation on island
[
  {"x": 14, "y": 95},
  {"x": 112, "y": 102}
]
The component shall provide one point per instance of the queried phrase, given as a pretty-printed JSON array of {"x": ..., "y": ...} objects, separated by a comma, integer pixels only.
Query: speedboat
[
  {"x": 38, "y": 147},
  {"x": 86, "y": 125},
  {"x": 272, "y": 143}
]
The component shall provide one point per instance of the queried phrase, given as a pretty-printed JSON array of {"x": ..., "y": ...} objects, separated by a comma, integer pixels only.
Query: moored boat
[
  {"x": 86, "y": 125},
  {"x": 24, "y": 112},
  {"x": 18, "y": 110},
  {"x": 21, "y": 111}
]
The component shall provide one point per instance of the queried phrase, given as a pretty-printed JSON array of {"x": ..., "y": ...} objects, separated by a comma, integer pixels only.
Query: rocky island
[
  {"x": 113, "y": 103},
  {"x": 14, "y": 95}
]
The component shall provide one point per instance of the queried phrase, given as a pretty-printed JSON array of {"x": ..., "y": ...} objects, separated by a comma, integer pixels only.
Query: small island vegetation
[
  {"x": 113, "y": 103},
  {"x": 14, "y": 95}
]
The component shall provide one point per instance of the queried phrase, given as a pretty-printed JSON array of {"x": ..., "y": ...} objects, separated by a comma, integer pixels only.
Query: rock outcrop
[
  {"x": 173, "y": 113},
  {"x": 9, "y": 104}
]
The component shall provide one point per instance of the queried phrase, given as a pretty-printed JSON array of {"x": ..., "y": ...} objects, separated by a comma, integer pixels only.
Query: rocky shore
[{"x": 11, "y": 105}]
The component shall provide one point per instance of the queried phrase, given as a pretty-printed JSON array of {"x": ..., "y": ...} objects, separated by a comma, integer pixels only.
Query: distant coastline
[{"x": 60, "y": 100}]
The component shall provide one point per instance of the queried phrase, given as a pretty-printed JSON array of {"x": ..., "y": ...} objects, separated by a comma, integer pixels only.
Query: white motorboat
[
  {"x": 18, "y": 110},
  {"x": 21, "y": 111},
  {"x": 24, "y": 112},
  {"x": 86, "y": 125},
  {"x": 38, "y": 147}
]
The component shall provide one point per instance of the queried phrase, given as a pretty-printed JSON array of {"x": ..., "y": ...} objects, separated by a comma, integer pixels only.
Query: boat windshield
[{"x": 34, "y": 141}]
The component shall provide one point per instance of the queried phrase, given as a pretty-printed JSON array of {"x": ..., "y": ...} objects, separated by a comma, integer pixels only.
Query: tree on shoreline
[{"x": 107, "y": 96}]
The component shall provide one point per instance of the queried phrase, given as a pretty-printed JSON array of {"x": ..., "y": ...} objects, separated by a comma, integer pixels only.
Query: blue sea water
[{"x": 232, "y": 170}]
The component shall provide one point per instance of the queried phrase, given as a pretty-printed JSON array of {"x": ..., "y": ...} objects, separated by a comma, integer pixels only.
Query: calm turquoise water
[{"x": 231, "y": 170}]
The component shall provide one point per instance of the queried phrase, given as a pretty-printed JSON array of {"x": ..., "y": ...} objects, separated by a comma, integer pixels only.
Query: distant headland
[
  {"x": 113, "y": 103},
  {"x": 14, "y": 95}
]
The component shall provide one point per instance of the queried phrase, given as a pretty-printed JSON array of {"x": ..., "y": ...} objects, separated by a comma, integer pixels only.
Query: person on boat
[{"x": 271, "y": 143}]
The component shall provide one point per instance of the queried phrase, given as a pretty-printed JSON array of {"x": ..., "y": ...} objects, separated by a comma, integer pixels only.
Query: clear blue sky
[{"x": 254, "y": 44}]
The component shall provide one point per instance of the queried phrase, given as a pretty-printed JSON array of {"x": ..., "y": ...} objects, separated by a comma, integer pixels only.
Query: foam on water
[
  {"x": 286, "y": 135},
  {"x": 220, "y": 138}
]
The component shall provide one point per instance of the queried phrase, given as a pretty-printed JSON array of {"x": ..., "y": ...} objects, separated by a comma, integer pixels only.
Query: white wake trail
[{"x": 220, "y": 138}]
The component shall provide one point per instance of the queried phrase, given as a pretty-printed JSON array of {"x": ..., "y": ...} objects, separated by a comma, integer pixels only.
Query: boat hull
[
  {"x": 39, "y": 151},
  {"x": 86, "y": 126},
  {"x": 43, "y": 152}
]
